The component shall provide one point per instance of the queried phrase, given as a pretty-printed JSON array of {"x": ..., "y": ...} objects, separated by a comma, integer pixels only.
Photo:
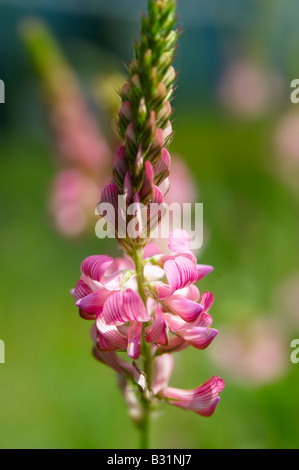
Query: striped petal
[
  {"x": 134, "y": 307},
  {"x": 186, "y": 309},
  {"x": 180, "y": 273},
  {"x": 120, "y": 166},
  {"x": 93, "y": 302},
  {"x": 108, "y": 337},
  {"x": 157, "y": 333},
  {"x": 134, "y": 339},
  {"x": 94, "y": 267},
  {"x": 114, "y": 312},
  {"x": 198, "y": 337},
  {"x": 81, "y": 290},
  {"x": 202, "y": 400},
  {"x": 207, "y": 300},
  {"x": 146, "y": 191},
  {"x": 163, "y": 368},
  {"x": 162, "y": 168}
]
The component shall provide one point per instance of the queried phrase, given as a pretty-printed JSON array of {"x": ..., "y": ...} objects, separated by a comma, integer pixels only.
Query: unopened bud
[
  {"x": 126, "y": 91},
  {"x": 142, "y": 111},
  {"x": 169, "y": 77},
  {"x": 135, "y": 80},
  {"x": 125, "y": 111}
]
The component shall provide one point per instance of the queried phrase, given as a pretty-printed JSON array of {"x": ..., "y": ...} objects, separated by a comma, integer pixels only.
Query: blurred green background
[{"x": 238, "y": 132}]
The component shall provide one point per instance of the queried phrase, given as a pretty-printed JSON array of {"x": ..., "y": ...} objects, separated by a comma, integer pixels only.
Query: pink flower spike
[
  {"x": 202, "y": 400},
  {"x": 134, "y": 339},
  {"x": 162, "y": 372}
]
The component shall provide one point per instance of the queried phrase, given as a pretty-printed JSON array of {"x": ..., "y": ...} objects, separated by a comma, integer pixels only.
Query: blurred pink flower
[
  {"x": 287, "y": 140},
  {"x": 73, "y": 196},
  {"x": 257, "y": 352},
  {"x": 246, "y": 89}
]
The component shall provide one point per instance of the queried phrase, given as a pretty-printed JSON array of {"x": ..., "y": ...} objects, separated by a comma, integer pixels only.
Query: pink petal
[
  {"x": 180, "y": 272},
  {"x": 162, "y": 168},
  {"x": 134, "y": 307},
  {"x": 179, "y": 242},
  {"x": 202, "y": 400},
  {"x": 163, "y": 368},
  {"x": 134, "y": 339},
  {"x": 81, "y": 290},
  {"x": 151, "y": 250},
  {"x": 94, "y": 267},
  {"x": 114, "y": 312},
  {"x": 186, "y": 309},
  {"x": 92, "y": 302},
  {"x": 199, "y": 337},
  {"x": 206, "y": 301},
  {"x": 175, "y": 344},
  {"x": 158, "y": 331},
  {"x": 108, "y": 337},
  {"x": 120, "y": 166},
  {"x": 203, "y": 270},
  {"x": 148, "y": 181}
]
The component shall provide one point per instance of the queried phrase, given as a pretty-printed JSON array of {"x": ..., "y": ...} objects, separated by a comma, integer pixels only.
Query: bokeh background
[{"x": 238, "y": 133}]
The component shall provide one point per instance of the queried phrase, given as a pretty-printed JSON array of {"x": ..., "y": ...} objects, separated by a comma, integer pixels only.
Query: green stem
[{"x": 145, "y": 423}]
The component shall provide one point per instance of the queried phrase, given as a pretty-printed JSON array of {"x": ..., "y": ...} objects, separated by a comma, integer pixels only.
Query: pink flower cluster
[{"x": 175, "y": 315}]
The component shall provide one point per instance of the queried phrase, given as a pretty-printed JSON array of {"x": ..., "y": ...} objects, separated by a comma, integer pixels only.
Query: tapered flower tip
[
  {"x": 207, "y": 300},
  {"x": 120, "y": 166},
  {"x": 126, "y": 91},
  {"x": 110, "y": 194},
  {"x": 148, "y": 182},
  {"x": 203, "y": 270},
  {"x": 202, "y": 400},
  {"x": 128, "y": 190},
  {"x": 162, "y": 168},
  {"x": 167, "y": 132},
  {"x": 130, "y": 133},
  {"x": 125, "y": 111},
  {"x": 162, "y": 372}
]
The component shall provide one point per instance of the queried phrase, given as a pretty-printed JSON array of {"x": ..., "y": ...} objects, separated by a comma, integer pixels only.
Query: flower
[{"x": 108, "y": 293}]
